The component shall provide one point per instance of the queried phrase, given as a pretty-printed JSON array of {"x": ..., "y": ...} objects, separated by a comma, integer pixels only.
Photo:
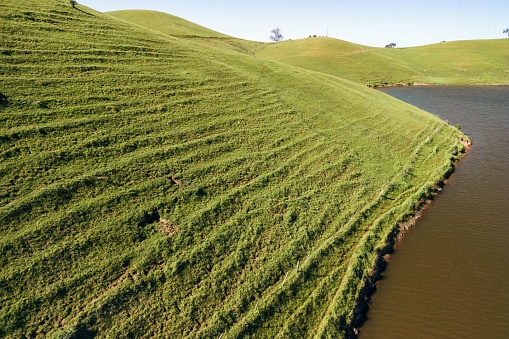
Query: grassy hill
[
  {"x": 157, "y": 186},
  {"x": 457, "y": 62},
  {"x": 177, "y": 27},
  {"x": 166, "y": 23}
]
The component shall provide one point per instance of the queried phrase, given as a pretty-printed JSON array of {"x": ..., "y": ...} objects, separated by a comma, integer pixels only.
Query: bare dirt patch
[{"x": 167, "y": 228}]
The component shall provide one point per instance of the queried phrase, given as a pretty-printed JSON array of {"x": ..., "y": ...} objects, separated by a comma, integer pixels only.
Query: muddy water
[{"x": 450, "y": 276}]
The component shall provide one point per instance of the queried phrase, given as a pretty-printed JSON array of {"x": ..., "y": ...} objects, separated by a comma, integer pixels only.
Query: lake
[{"x": 449, "y": 278}]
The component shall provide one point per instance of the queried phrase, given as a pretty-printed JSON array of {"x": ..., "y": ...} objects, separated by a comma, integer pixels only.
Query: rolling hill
[
  {"x": 163, "y": 186},
  {"x": 455, "y": 62},
  {"x": 171, "y": 25},
  {"x": 166, "y": 23}
]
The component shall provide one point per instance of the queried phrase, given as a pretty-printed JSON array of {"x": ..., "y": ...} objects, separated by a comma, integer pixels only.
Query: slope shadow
[
  {"x": 82, "y": 11},
  {"x": 3, "y": 100}
]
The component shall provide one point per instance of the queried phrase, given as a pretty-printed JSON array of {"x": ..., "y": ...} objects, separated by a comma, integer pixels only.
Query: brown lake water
[{"x": 449, "y": 278}]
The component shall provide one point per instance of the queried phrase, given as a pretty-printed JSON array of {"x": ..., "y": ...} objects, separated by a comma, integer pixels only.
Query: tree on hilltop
[
  {"x": 506, "y": 31},
  {"x": 73, "y": 3},
  {"x": 276, "y": 35}
]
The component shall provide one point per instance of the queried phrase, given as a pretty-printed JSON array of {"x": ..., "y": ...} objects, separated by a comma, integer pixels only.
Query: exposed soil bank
[{"x": 393, "y": 239}]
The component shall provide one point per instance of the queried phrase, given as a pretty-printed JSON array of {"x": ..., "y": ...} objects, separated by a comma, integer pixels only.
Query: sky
[{"x": 368, "y": 22}]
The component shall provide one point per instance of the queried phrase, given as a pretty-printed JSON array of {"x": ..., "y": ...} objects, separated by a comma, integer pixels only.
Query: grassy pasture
[
  {"x": 456, "y": 62},
  {"x": 171, "y": 25},
  {"x": 166, "y": 23},
  {"x": 154, "y": 185}
]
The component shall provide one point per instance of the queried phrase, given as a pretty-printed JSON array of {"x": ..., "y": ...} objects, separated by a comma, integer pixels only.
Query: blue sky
[{"x": 369, "y": 22}]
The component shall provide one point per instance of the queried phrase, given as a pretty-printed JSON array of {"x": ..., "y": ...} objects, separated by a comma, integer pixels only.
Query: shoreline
[
  {"x": 393, "y": 240},
  {"x": 404, "y": 84}
]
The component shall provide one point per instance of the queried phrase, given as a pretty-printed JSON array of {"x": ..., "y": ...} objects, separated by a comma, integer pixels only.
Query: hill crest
[
  {"x": 165, "y": 23},
  {"x": 454, "y": 62}
]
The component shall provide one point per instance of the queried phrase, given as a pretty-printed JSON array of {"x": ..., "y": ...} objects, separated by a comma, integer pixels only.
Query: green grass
[
  {"x": 166, "y": 23},
  {"x": 457, "y": 62},
  {"x": 162, "y": 186}
]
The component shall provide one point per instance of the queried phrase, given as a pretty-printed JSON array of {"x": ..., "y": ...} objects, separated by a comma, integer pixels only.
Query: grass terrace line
[{"x": 157, "y": 185}]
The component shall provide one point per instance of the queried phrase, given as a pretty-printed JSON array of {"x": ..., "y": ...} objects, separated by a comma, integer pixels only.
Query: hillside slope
[
  {"x": 166, "y": 23},
  {"x": 457, "y": 62},
  {"x": 154, "y": 186},
  {"x": 177, "y": 27}
]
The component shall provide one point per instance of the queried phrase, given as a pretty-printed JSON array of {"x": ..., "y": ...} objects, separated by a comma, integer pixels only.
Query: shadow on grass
[
  {"x": 3, "y": 100},
  {"x": 82, "y": 11}
]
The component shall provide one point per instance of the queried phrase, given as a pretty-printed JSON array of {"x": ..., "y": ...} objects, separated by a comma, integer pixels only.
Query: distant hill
[
  {"x": 457, "y": 62},
  {"x": 156, "y": 185},
  {"x": 166, "y": 23},
  {"x": 177, "y": 27}
]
